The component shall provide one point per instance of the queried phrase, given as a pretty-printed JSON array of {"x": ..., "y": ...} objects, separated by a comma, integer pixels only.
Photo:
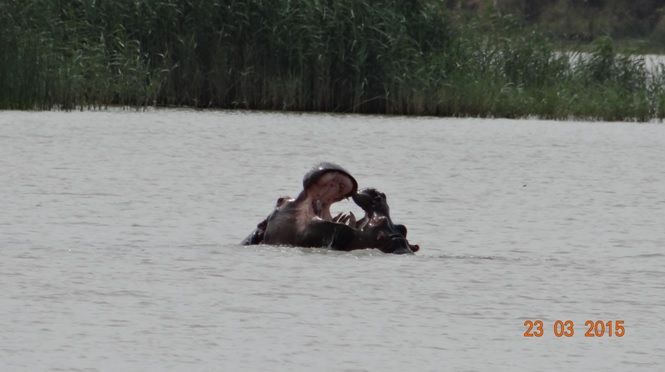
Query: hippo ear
[
  {"x": 282, "y": 200},
  {"x": 262, "y": 225},
  {"x": 401, "y": 229}
]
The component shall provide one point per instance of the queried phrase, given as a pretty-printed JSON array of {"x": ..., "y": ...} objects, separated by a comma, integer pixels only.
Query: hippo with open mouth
[{"x": 306, "y": 220}]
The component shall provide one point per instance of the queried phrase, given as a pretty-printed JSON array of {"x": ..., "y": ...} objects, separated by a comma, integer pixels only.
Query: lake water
[{"x": 120, "y": 234}]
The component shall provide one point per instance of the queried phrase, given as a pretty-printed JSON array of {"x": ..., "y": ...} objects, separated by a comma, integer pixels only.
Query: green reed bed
[{"x": 392, "y": 57}]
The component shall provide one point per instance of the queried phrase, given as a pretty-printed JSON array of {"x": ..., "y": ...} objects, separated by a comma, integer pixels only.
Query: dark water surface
[{"x": 119, "y": 232}]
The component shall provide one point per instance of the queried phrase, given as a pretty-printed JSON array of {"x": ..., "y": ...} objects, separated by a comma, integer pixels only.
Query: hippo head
[{"x": 385, "y": 236}]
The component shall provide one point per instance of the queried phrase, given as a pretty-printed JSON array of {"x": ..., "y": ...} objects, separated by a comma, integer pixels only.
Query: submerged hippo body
[{"x": 306, "y": 220}]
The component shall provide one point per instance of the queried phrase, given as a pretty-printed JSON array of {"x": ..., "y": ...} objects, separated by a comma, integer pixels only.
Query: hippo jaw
[
  {"x": 325, "y": 184},
  {"x": 372, "y": 202}
]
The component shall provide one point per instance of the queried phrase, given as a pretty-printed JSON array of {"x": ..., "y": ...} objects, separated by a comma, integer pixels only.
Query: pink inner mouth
[{"x": 330, "y": 188}]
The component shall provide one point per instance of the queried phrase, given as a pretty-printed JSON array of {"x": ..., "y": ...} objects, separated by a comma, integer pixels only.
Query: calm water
[{"x": 119, "y": 232}]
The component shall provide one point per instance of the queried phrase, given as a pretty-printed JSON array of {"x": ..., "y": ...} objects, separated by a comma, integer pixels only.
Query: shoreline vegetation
[{"x": 378, "y": 57}]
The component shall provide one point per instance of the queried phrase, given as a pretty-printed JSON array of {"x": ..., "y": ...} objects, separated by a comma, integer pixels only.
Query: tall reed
[{"x": 385, "y": 56}]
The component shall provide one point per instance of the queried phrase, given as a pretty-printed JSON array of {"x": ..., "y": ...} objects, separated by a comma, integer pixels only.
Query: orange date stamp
[{"x": 566, "y": 328}]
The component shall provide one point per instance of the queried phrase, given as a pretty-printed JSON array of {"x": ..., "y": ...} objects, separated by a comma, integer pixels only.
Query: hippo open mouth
[{"x": 325, "y": 184}]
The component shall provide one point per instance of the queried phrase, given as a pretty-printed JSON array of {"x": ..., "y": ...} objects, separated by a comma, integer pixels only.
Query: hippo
[
  {"x": 377, "y": 218},
  {"x": 306, "y": 220}
]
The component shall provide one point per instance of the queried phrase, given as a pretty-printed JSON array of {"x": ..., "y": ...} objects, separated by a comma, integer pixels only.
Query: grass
[{"x": 389, "y": 57}]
